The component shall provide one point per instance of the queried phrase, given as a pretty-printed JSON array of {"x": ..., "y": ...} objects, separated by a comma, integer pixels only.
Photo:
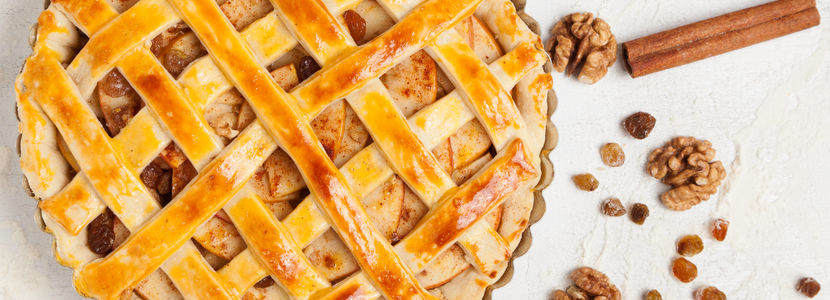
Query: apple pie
[{"x": 285, "y": 149}]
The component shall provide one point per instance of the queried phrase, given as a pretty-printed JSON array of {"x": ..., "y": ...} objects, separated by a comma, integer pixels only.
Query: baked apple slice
[
  {"x": 330, "y": 256},
  {"x": 412, "y": 83}
]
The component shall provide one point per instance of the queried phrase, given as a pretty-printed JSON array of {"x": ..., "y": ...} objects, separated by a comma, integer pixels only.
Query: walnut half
[
  {"x": 584, "y": 44},
  {"x": 685, "y": 163}
]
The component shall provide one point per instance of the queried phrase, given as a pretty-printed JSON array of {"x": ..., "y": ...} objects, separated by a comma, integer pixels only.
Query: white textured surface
[{"x": 765, "y": 108}]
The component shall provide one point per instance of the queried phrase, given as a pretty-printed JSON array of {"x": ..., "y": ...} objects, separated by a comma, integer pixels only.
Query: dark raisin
[
  {"x": 356, "y": 23},
  {"x": 181, "y": 177},
  {"x": 639, "y": 213},
  {"x": 152, "y": 173},
  {"x": 808, "y": 286},
  {"x": 265, "y": 282},
  {"x": 307, "y": 67},
  {"x": 101, "y": 233},
  {"x": 639, "y": 125}
]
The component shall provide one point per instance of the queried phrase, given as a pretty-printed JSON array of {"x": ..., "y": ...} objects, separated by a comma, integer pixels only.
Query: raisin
[
  {"x": 356, "y": 24},
  {"x": 709, "y": 293},
  {"x": 639, "y": 125},
  {"x": 613, "y": 207},
  {"x": 115, "y": 85},
  {"x": 612, "y": 155},
  {"x": 174, "y": 61},
  {"x": 684, "y": 270},
  {"x": 689, "y": 245},
  {"x": 307, "y": 67},
  {"x": 152, "y": 173},
  {"x": 101, "y": 233},
  {"x": 586, "y": 182},
  {"x": 719, "y": 228},
  {"x": 265, "y": 282},
  {"x": 639, "y": 213},
  {"x": 653, "y": 295},
  {"x": 808, "y": 286}
]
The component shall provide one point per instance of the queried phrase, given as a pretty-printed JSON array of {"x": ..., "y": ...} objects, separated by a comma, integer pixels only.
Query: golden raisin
[
  {"x": 709, "y": 293},
  {"x": 356, "y": 24},
  {"x": 639, "y": 213},
  {"x": 684, "y": 270},
  {"x": 719, "y": 228},
  {"x": 808, "y": 286},
  {"x": 639, "y": 125},
  {"x": 586, "y": 182},
  {"x": 689, "y": 245},
  {"x": 653, "y": 295},
  {"x": 613, "y": 207},
  {"x": 612, "y": 155}
]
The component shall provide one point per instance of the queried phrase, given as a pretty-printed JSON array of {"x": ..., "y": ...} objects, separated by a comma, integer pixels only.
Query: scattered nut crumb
[
  {"x": 690, "y": 245},
  {"x": 684, "y": 270},
  {"x": 612, "y": 155},
  {"x": 639, "y": 125},
  {"x": 808, "y": 286},
  {"x": 595, "y": 283},
  {"x": 580, "y": 41},
  {"x": 639, "y": 213},
  {"x": 613, "y": 207},
  {"x": 709, "y": 293},
  {"x": 653, "y": 295},
  {"x": 719, "y": 228},
  {"x": 685, "y": 163},
  {"x": 586, "y": 182}
]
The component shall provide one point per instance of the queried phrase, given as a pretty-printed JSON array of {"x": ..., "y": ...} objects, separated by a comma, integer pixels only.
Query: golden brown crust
[{"x": 330, "y": 188}]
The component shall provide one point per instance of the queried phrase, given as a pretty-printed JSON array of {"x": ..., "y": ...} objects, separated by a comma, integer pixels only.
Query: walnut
[
  {"x": 584, "y": 43},
  {"x": 595, "y": 284},
  {"x": 560, "y": 295},
  {"x": 685, "y": 163}
]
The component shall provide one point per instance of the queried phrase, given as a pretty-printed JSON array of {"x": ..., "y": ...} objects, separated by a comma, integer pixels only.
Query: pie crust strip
[
  {"x": 269, "y": 239},
  {"x": 368, "y": 168},
  {"x": 382, "y": 53},
  {"x": 110, "y": 174},
  {"x": 276, "y": 110},
  {"x": 130, "y": 29},
  {"x": 160, "y": 237},
  {"x": 145, "y": 74},
  {"x": 462, "y": 208},
  {"x": 425, "y": 177}
]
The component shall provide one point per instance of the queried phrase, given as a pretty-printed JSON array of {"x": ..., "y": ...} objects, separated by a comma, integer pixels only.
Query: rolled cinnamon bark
[{"x": 718, "y": 35}]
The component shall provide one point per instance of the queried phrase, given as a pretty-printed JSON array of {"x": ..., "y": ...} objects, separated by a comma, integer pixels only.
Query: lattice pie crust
[{"x": 183, "y": 148}]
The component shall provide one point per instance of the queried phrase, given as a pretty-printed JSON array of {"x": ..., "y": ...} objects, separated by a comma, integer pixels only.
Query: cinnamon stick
[{"x": 718, "y": 35}]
